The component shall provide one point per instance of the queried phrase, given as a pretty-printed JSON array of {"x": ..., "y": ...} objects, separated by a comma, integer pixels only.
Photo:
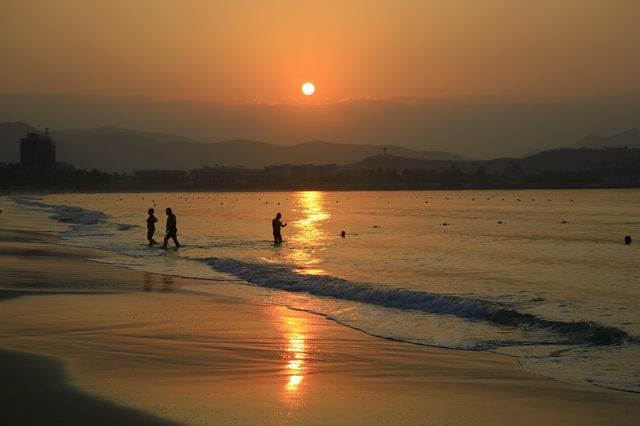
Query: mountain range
[
  {"x": 629, "y": 138},
  {"x": 574, "y": 160},
  {"x": 588, "y": 154},
  {"x": 474, "y": 127},
  {"x": 114, "y": 149}
]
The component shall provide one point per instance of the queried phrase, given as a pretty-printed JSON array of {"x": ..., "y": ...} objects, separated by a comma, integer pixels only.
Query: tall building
[{"x": 38, "y": 152}]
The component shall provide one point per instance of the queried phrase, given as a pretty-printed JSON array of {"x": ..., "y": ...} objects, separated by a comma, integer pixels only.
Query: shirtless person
[
  {"x": 172, "y": 229},
  {"x": 151, "y": 227},
  {"x": 277, "y": 225}
]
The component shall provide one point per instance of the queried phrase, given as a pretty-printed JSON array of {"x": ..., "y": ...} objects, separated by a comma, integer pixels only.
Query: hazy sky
[{"x": 246, "y": 51}]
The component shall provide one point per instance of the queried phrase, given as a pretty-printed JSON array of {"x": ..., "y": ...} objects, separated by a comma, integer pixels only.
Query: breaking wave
[
  {"x": 284, "y": 277},
  {"x": 63, "y": 213}
]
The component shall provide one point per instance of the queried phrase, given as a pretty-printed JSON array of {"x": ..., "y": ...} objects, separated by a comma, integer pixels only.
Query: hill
[
  {"x": 557, "y": 160},
  {"x": 124, "y": 150},
  {"x": 629, "y": 138}
]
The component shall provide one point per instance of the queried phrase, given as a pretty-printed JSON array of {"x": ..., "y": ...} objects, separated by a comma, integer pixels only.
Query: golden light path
[
  {"x": 307, "y": 238},
  {"x": 308, "y": 232}
]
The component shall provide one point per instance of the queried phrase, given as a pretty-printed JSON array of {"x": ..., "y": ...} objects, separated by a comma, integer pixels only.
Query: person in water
[
  {"x": 151, "y": 227},
  {"x": 172, "y": 229},
  {"x": 277, "y": 226}
]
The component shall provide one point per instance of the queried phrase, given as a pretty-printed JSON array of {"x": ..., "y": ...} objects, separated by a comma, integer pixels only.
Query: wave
[
  {"x": 63, "y": 213},
  {"x": 284, "y": 277}
]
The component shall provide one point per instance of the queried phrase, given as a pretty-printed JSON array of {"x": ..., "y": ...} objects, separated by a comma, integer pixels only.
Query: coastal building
[
  {"x": 38, "y": 152},
  {"x": 325, "y": 171},
  {"x": 167, "y": 177},
  {"x": 304, "y": 172},
  {"x": 279, "y": 172},
  {"x": 221, "y": 174}
]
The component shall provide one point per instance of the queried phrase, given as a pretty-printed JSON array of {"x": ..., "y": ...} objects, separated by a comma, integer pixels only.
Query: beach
[
  {"x": 320, "y": 213},
  {"x": 139, "y": 348}
]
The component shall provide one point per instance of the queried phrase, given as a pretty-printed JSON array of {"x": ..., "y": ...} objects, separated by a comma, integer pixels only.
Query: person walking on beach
[
  {"x": 172, "y": 229},
  {"x": 277, "y": 226},
  {"x": 151, "y": 227}
]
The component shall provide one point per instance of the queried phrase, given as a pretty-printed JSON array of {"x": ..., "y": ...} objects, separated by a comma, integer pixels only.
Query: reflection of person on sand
[
  {"x": 172, "y": 229},
  {"x": 277, "y": 225},
  {"x": 151, "y": 227}
]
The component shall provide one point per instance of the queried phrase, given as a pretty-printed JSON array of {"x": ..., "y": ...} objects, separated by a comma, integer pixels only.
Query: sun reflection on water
[{"x": 309, "y": 234}]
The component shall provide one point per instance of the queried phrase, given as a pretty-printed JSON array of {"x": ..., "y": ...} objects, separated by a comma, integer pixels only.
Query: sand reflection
[
  {"x": 308, "y": 232},
  {"x": 295, "y": 353}
]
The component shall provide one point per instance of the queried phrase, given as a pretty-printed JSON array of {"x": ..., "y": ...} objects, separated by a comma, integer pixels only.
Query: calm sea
[{"x": 543, "y": 275}]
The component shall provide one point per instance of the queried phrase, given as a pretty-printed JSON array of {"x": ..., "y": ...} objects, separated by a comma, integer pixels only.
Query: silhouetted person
[
  {"x": 627, "y": 239},
  {"x": 277, "y": 226},
  {"x": 172, "y": 229},
  {"x": 343, "y": 234},
  {"x": 151, "y": 227}
]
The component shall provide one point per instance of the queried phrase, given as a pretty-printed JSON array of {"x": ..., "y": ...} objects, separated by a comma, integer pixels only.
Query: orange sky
[{"x": 247, "y": 51}]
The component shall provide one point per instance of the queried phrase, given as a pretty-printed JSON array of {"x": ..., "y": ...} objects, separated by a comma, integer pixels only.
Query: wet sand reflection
[{"x": 295, "y": 353}]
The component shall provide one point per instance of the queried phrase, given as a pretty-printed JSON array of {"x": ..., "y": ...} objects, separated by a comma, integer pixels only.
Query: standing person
[
  {"x": 172, "y": 229},
  {"x": 151, "y": 227},
  {"x": 277, "y": 225}
]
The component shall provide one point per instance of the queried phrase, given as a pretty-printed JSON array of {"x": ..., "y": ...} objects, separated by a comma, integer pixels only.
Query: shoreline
[
  {"x": 153, "y": 190},
  {"x": 118, "y": 331}
]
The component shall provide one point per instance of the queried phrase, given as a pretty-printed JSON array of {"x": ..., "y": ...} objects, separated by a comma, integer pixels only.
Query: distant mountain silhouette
[
  {"x": 556, "y": 160},
  {"x": 475, "y": 127},
  {"x": 124, "y": 150},
  {"x": 577, "y": 160},
  {"x": 629, "y": 138}
]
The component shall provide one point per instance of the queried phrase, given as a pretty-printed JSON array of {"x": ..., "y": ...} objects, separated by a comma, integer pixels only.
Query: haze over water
[{"x": 401, "y": 273}]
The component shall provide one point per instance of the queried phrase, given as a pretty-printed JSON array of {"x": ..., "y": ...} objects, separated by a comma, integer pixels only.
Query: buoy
[
  {"x": 343, "y": 234},
  {"x": 627, "y": 239}
]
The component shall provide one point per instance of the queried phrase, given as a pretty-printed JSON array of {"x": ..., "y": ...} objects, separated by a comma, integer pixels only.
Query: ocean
[{"x": 540, "y": 275}]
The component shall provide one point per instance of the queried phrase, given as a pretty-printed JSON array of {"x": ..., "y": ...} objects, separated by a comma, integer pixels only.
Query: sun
[{"x": 308, "y": 88}]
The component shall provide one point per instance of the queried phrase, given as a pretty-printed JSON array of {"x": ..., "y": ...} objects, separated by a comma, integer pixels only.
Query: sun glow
[{"x": 308, "y": 88}]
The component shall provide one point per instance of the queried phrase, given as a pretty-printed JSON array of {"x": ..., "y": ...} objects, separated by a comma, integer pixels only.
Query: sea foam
[{"x": 284, "y": 277}]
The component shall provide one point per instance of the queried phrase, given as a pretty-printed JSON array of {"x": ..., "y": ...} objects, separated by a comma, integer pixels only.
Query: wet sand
[
  {"x": 35, "y": 390},
  {"x": 111, "y": 338}
]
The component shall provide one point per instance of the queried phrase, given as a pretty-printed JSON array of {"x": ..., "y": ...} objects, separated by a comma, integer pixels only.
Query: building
[
  {"x": 223, "y": 175},
  {"x": 279, "y": 172},
  {"x": 304, "y": 172},
  {"x": 166, "y": 177},
  {"x": 38, "y": 152}
]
